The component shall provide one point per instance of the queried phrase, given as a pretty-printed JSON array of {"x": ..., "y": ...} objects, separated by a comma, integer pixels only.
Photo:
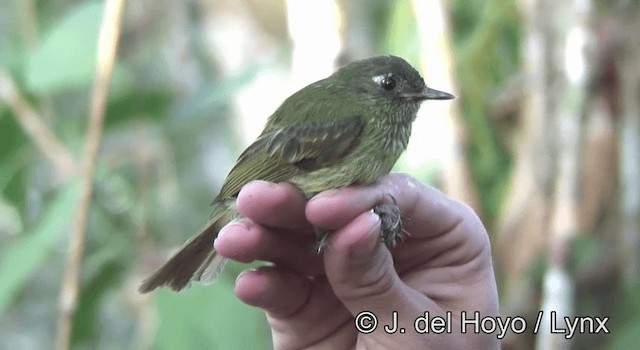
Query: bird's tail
[{"x": 196, "y": 260}]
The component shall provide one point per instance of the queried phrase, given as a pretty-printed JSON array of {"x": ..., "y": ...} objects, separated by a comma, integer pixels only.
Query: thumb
[{"x": 360, "y": 269}]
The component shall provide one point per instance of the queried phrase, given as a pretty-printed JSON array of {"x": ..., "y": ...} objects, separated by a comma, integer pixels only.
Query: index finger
[{"x": 278, "y": 205}]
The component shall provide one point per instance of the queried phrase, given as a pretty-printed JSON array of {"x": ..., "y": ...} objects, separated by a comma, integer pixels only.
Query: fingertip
[
  {"x": 359, "y": 239},
  {"x": 237, "y": 241},
  {"x": 250, "y": 286},
  {"x": 355, "y": 251},
  {"x": 279, "y": 292},
  {"x": 272, "y": 204},
  {"x": 254, "y": 190},
  {"x": 358, "y": 266}
]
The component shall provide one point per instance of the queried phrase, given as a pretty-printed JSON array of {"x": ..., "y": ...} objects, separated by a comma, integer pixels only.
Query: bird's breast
[{"x": 374, "y": 156}]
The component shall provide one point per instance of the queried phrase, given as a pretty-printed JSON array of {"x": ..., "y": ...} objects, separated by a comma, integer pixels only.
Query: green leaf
[
  {"x": 27, "y": 252},
  {"x": 67, "y": 57}
]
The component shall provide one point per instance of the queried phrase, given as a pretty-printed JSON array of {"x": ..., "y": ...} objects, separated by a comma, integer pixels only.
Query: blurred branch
[
  {"x": 28, "y": 22},
  {"x": 629, "y": 143},
  {"x": 107, "y": 44},
  {"x": 572, "y": 68},
  {"x": 524, "y": 224},
  {"x": 36, "y": 129},
  {"x": 29, "y": 31}
]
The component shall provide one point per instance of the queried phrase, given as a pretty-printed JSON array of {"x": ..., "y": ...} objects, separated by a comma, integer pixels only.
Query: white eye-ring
[
  {"x": 378, "y": 78},
  {"x": 386, "y": 81}
]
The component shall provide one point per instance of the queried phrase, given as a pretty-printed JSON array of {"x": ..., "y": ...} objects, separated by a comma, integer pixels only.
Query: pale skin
[{"x": 444, "y": 264}]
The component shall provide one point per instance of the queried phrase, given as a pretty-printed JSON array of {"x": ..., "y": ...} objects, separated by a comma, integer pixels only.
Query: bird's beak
[{"x": 433, "y": 94}]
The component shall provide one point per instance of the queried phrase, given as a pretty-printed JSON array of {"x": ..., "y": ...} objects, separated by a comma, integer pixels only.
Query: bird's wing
[{"x": 280, "y": 153}]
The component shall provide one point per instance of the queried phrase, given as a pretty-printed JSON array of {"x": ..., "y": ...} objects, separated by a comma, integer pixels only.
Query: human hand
[{"x": 311, "y": 300}]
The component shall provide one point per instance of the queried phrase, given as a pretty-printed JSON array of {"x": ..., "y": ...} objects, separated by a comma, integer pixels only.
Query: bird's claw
[{"x": 391, "y": 229}]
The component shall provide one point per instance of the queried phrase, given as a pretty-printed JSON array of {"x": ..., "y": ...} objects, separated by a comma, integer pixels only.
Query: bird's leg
[
  {"x": 322, "y": 240},
  {"x": 391, "y": 230}
]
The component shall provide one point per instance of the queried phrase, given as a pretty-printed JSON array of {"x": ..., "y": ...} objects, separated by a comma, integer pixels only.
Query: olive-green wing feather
[{"x": 281, "y": 153}]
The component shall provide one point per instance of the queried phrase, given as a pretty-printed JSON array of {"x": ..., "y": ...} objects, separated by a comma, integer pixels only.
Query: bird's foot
[
  {"x": 322, "y": 241},
  {"x": 391, "y": 230}
]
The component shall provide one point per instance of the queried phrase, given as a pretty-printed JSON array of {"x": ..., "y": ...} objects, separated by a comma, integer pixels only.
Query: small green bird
[{"x": 349, "y": 128}]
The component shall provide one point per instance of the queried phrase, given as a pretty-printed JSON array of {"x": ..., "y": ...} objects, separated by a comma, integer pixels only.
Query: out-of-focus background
[{"x": 543, "y": 142}]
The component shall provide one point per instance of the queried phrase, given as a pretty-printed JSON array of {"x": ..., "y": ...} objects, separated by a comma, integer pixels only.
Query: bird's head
[{"x": 388, "y": 83}]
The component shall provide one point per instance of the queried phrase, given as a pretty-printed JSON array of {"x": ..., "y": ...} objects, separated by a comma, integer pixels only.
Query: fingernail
[
  {"x": 237, "y": 223},
  {"x": 372, "y": 238},
  {"x": 243, "y": 273}
]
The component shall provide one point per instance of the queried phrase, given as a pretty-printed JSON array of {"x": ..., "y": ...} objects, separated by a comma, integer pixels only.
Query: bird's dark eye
[{"x": 388, "y": 83}]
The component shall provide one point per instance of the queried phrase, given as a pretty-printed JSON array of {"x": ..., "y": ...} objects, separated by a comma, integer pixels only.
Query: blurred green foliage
[
  {"x": 151, "y": 173},
  {"x": 487, "y": 39},
  {"x": 26, "y": 253},
  {"x": 197, "y": 323},
  {"x": 152, "y": 178},
  {"x": 150, "y": 167}
]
